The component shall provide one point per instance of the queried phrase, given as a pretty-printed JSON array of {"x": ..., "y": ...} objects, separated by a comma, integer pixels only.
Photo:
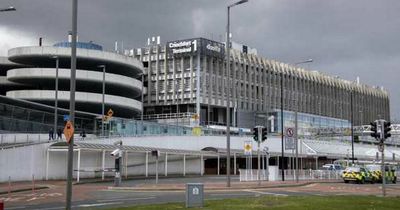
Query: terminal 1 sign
[{"x": 190, "y": 47}]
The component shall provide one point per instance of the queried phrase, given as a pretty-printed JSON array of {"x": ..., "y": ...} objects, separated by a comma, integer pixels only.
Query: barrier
[{"x": 251, "y": 175}]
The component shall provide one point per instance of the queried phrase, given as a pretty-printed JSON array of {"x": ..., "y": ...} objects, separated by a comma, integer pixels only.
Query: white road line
[
  {"x": 126, "y": 199},
  {"x": 18, "y": 207},
  {"x": 238, "y": 194},
  {"x": 51, "y": 208},
  {"x": 265, "y": 193},
  {"x": 98, "y": 204}
]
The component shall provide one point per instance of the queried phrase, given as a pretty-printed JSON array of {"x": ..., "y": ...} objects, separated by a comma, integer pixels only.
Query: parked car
[
  {"x": 357, "y": 174},
  {"x": 390, "y": 173}
]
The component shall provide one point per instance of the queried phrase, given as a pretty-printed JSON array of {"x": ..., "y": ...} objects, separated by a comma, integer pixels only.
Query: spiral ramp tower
[{"x": 29, "y": 74}]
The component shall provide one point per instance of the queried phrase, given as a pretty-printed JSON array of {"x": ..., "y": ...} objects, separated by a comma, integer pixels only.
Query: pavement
[{"x": 95, "y": 194}]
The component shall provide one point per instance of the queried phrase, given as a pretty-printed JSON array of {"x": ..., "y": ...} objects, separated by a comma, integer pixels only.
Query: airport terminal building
[{"x": 190, "y": 76}]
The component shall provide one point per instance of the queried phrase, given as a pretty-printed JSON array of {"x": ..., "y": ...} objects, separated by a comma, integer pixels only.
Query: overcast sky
[{"x": 347, "y": 38}]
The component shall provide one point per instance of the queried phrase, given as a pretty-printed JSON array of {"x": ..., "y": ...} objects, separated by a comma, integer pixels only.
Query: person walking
[
  {"x": 59, "y": 134},
  {"x": 51, "y": 134}
]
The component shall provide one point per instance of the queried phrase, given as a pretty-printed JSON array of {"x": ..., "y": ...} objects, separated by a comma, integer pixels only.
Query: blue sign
[{"x": 66, "y": 117}]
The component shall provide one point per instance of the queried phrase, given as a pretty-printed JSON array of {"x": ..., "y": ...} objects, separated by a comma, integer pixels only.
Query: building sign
[
  {"x": 247, "y": 148},
  {"x": 189, "y": 47},
  {"x": 290, "y": 143}
]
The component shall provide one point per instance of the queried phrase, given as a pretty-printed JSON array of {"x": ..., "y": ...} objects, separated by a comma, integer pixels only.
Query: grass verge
[{"x": 288, "y": 203}]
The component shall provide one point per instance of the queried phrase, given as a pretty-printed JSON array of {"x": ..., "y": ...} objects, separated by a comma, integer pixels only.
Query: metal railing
[{"x": 246, "y": 175}]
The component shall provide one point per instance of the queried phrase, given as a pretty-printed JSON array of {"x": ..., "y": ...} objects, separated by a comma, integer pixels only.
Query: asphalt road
[{"x": 98, "y": 195}]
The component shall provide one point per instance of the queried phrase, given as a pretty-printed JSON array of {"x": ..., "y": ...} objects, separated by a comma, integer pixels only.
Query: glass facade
[
  {"x": 83, "y": 45},
  {"x": 130, "y": 127},
  {"x": 309, "y": 124},
  {"x": 24, "y": 120}
]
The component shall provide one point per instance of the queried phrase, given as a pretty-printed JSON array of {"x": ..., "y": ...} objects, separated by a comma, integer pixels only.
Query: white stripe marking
[
  {"x": 265, "y": 193},
  {"x": 126, "y": 199},
  {"x": 98, "y": 204}
]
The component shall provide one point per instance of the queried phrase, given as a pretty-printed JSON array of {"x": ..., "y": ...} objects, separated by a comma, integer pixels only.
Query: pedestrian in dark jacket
[
  {"x": 59, "y": 134},
  {"x": 51, "y": 134}
]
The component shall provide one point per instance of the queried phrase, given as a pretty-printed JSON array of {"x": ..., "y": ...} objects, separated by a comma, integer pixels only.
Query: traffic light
[
  {"x": 386, "y": 130},
  {"x": 264, "y": 134},
  {"x": 255, "y": 134},
  {"x": 374, "y": 129}
]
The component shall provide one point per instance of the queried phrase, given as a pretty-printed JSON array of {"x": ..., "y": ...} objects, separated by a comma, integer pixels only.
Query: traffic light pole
[
  {"x": 383, "y": 173},
  {"x": 382, "y": 145},
  {"x": 260, "y": 131}
]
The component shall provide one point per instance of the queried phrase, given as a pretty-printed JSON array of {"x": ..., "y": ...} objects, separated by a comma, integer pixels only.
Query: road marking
[
  {"x": 265, "y": 193},
  {"x": 126, "y": 199},
  {"x": 226, "y": 194},
  {"x": 98, "y": 204},
  {"x": 51, "y": 208},
  {"x": 18, "y": 207}
]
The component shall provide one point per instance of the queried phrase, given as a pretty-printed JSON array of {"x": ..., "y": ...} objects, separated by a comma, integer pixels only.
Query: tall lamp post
[
  {"x": 8, "y": 9},
  {"x": 228, "y": 100},
  {"x": 56, "y": 96},
  {"x": 102, "y": 98},
  {"x": 72, "y": 102},
  {"x": 296, "y": 128}
]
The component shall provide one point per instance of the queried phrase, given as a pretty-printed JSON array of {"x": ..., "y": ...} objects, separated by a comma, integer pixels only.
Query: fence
[
  {"x": 246, "y": 175},
  {"x": 251, "y": 175}
]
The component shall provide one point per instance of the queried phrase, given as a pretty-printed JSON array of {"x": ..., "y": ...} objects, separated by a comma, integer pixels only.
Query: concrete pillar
[
  {"x": 147, "y": 165},
  {"x": 78, "y": 166},
  {"x": 103, "y": 164},
  {"x": 126, "y": 165},
  {"x": 166, "y": 164},
  {"x": 184, "y": 164},
  {"x": 218, "y": 164},
  {"x": 234, "y": 163},
  {"x": 47, "y": 164},
  {"x": 316, "y": 163},
  {"x": 201, "y": 165}
]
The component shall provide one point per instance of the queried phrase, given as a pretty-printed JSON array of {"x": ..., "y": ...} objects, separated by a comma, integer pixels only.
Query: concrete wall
[{"x": 21, "y": 163}]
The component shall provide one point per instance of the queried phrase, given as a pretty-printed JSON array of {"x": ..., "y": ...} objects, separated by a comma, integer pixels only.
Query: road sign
[
  {"x": 66, "y": 117},
  {"x": 289, "y": 132},
  {"x": 289, "y": 143},
  {"x": 196, "y": 131},
  {"x": 381, "y": 147},
  {"x": 110, "y": 113},
  {"x": 247, "y": 148},
  {"x": 68, "y": 131}
]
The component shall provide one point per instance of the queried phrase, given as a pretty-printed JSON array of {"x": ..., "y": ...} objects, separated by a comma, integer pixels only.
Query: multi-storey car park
[
  {"x": 29, "y": 74},
  {"x": 190, "y": 76}
]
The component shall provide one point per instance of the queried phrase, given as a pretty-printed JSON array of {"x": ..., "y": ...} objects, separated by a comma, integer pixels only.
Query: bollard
[
  {"x": 33, "y": 183},
  {"x": 9, "y": 186}
]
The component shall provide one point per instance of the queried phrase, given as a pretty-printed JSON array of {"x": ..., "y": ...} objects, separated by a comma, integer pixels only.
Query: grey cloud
[{"x": 345, "y": 38}]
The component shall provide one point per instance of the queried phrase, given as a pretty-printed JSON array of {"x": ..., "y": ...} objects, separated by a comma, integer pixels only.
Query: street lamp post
[
  {"x": 102, "y": 99},
  {"x": 228, "y": 100},
  {"x": 296, "y": 126},
  {"x": 56, "y": 97},
  {"x": 72, "y": 102},
  {"x": 8, "y": 9}
]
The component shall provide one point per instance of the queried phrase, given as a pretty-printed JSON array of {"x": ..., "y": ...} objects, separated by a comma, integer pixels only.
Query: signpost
[
  {"x": 247, "y": 148},
  {"x": 110, "y": 113},
  {"x": 68, "y": 131},
  {"x": 289, "y": 139}
]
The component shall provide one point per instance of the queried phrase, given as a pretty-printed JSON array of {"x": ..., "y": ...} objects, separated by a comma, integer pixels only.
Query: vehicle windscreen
[
  {"x": 373, "y": 167},
  {"x": 352, "y": 169}
]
